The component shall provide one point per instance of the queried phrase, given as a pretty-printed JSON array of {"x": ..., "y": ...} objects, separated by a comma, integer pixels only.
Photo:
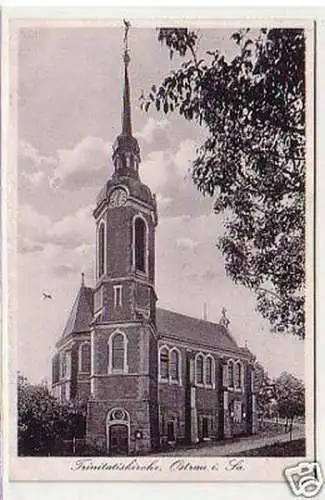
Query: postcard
[{"x": 159, "y": 249}]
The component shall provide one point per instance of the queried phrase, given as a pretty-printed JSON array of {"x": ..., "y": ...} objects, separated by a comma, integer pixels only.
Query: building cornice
[{"x": 190, "y": 345}]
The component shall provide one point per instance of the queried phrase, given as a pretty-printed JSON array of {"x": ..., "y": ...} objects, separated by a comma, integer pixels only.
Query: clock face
[{"x": 117, "y": 198}]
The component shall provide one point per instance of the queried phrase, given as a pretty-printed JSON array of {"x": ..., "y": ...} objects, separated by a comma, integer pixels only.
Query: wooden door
[{"x": 118, "y": 439}]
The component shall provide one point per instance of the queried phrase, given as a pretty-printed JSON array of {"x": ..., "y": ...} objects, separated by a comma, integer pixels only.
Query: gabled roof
[
  {"x": 81, "y": 313},
  {"x": 193, "y": 330}
]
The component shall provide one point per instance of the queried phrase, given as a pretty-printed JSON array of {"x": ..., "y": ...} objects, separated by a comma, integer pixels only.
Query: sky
[{"x": 69, "y": 114}]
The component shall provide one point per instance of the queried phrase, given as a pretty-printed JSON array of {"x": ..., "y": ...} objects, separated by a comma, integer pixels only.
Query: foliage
[
  {"x": 43, "y": 422},
  {"x": 263, "y": 390},
  {"x": 290, "y": 393},
  {"x": 253, "y": 159}
]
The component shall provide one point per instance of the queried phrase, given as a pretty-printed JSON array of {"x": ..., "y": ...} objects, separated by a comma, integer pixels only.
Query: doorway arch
[{"x": 118, "y": 432}]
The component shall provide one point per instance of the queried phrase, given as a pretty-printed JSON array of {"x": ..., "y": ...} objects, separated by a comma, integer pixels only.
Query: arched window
[
  {"x": 238, "y": 375},
  {"x": 101, "y": 250},
  {"x": 63, "y": 365},
  {"x": 140, "y": 244},
  {"x": 174, "y": 365},
  {"x": 84, "y": 357},
  {"x": 118, "y": 352},
  {"x": 199, "y": 369},
  {"x": 230, "y": 373},
  {"x": 164, "y": 363},
  {"x": 209, "y": 370}
]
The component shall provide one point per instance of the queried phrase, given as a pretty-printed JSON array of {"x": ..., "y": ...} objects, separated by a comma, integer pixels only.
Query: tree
[
  {"x": 43, "y": 422},
  {"x": 263, "y": 389},
  {"x": 290, "y": 395},
  {"x": 253, "y": 159}
]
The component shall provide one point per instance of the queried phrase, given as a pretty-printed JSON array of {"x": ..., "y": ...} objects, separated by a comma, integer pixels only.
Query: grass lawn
[{"x": 295, "y": 448}]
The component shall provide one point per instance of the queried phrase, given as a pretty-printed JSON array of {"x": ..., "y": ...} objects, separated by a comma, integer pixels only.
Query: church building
[{"x": 151, "y": 377}]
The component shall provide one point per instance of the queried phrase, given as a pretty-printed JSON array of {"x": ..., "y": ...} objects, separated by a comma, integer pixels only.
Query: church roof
[
  {"x": 170, "y": 325},
  {"x": 81, "y": 313},
  {"x": 193, "y": 330}
]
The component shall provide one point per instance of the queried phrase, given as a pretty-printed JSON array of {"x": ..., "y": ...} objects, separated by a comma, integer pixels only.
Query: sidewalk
[{"x": 232, "y": 448}]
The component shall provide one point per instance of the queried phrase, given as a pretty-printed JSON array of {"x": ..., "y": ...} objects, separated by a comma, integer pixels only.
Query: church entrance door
[{"x": 118, "y": 439}]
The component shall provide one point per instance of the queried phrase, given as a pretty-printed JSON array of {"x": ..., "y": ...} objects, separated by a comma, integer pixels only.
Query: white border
[{"x": 10, "y": 194}]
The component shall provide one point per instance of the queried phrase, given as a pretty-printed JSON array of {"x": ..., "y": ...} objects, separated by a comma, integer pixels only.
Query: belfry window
[
  {"x": 140, "y": 244},
  {"x": 101, "y": 250}
]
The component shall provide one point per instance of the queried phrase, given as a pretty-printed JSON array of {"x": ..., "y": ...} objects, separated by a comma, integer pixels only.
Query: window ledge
[
  {"x": 118, "y": 372},
  {"x": 164, "y": 380},
  {"x": 141, "y": 274},
  {"x": 175, "y": 382}
]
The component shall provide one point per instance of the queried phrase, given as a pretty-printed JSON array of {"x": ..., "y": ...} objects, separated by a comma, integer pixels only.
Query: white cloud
[
  {"x": 152, "y": 128},
  {"x": 87, "y": 164},
  {"x": 184, "y": 156},
  {"x": 34, "y": 178},
  {"x": 26, "y": 150},
  {"x": 154, "y": 170},
  {"x": 186, "y": 244},
  {"x": 33, "y": 166},
  {"x": 72, "y": 231}
]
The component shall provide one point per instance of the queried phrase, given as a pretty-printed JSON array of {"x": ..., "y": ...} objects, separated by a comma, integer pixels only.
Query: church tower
[{"x": 123, "y": 409}]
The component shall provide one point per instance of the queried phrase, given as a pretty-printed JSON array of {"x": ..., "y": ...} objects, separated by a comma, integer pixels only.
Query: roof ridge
[{"x": 188, "y": 316}]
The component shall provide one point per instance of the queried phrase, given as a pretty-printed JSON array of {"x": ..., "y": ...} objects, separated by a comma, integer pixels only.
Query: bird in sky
[{"x": 47, "y": 296}]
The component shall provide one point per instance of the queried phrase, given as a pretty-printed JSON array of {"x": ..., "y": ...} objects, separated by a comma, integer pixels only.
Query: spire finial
[
  {"x": 126, "y": 119},
  {"x": 82, "y": 279},
  {"x": 127, "y": 26},
  {"x": 224, "y": 321}
]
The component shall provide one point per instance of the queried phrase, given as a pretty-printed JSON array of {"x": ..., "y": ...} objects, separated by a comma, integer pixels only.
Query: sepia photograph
[{"x": 163, "y": 242}]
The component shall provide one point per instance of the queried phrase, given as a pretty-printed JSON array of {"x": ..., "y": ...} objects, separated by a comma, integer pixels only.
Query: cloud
[
  {"x": 167, "y": 173},
  {"x": 65, "y": 269},
  {"x": 186, "y": 244},
  {"x": 34, "y": 167},
  {"x": 184, "y": 156},
  {"x": 26, "y": 150},
  {"x": 154, "y": 170},
  {"x": 153, "y": 130},
  {"x": 72, "y": 231},
  {"x": 87, "y": 164}
]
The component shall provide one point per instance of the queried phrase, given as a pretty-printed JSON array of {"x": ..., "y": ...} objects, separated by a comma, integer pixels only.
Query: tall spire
[
  {"x": 126, "y": 117},
  {"x": 126, "y": 151}
]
